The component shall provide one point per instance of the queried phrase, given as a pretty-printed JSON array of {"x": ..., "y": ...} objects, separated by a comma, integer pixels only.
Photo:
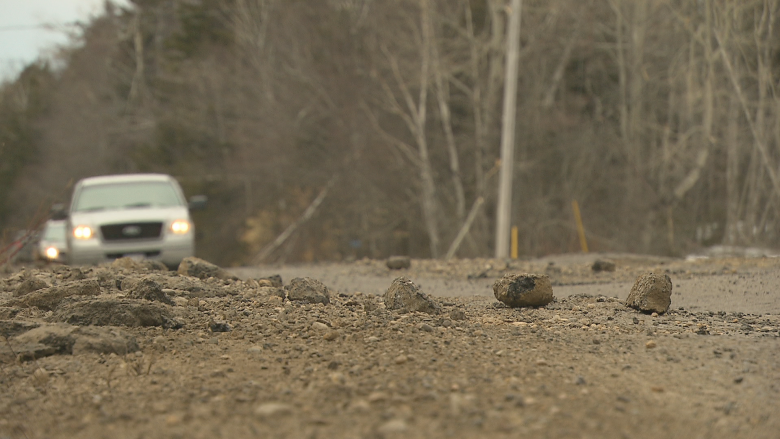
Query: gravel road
[
  {"x": 723, "y": 284},
  {"x": 129, "y": 351}
]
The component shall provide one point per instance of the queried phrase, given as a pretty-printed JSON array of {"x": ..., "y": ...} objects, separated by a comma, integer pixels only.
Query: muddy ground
[{"x": 131, "y": 351}]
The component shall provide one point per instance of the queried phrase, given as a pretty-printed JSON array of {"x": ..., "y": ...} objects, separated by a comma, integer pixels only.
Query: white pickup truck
[{"x": 143, "y": 216}]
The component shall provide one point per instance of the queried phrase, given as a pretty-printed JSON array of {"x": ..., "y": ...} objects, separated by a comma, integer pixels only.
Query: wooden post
[{"x": 580, "y": 229}]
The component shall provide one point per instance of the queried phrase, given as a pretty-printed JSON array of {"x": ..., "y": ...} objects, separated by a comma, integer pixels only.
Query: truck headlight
[
  {"x": 83, "y": 232},
  {"x": 52, "y": 252},
  {"x": 180, "y": 227}
]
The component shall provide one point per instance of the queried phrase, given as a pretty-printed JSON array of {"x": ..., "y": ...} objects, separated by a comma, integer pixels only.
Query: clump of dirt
[{"x": 133, "y": 350}]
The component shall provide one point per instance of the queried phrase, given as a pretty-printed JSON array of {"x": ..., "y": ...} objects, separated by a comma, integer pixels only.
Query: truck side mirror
[
  {"x": 58, "y": 212},
  {"x": 198, "y": 202}
]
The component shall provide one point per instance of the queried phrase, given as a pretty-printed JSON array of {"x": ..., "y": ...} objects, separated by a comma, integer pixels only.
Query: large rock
[
  {"x": 150, "y": 290},
  {"x": 398, "y": 262},
  {"x": 67, "y": 339},
  {"x": 309, "y": 290},
  {"x": 29, "y": 285},
  {"x": 602, "y": 265},
  {"x": 522, "y": 290},
  {"x": 10, "y": 328},
  {"x": 103, "y": 341},
  {"x": 131, "y": 264},
  {"x": 651, "y": 293},
  {"x": 404, "y": 295},
  {"x": 50, "y": 298},
  {"x": 201, "y": 269},
  {"x": 191, "y": 287},
  {"x": 110, "y": 312}
]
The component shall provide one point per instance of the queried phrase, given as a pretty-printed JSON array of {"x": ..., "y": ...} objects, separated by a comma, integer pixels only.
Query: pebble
[
  {"x": 516, "y": 399},
  {"x": 269, "y": 409},
  {"x": 651, "y": 344},
  {"x": 41, "y": 376},
  {"x": 457, "y": 314},
  {"x": 359, "y": 406},
  {"x": 393, "y": 426},
  {"x": 173, "y": 420},
  {"x": 377, "y": 397},
  {"x": 319, "y": 326}
]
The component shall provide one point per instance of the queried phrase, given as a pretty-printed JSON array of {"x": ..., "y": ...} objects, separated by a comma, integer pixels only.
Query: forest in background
[{"x": 372, "y": 127}]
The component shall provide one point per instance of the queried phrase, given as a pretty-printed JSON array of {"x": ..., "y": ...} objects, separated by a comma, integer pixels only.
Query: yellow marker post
[
  {"x": 580, "y": 229},
  {"x": 514, "y": 242}
]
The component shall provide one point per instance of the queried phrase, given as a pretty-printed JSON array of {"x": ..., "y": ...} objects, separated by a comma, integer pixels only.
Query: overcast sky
[{"x": 28, "y": 28}]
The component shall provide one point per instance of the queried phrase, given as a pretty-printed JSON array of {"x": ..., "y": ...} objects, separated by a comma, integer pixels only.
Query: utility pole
[{"x": 504, "y": 210}]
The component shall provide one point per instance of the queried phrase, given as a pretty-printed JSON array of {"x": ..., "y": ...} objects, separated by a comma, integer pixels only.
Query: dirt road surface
[{"x": 231, "y": 358}]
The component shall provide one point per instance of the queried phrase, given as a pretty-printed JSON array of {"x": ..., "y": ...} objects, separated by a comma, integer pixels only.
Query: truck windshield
[
  {"x": 126, "y": 196},
  {"x": 54, "y": 231}
]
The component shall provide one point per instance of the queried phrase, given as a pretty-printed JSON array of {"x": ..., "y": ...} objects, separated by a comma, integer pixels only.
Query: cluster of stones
[
  {"x": 77, "y": 310},
  {"x": 70, "y": 310},
  {"x": 82, "y": 308}
]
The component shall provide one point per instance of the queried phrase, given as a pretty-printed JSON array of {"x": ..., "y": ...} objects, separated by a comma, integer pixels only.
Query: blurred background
[{"x": 326, "y": 130}]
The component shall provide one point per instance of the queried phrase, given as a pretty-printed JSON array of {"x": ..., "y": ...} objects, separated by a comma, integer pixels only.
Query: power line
[{"x": 49, "y": 26}]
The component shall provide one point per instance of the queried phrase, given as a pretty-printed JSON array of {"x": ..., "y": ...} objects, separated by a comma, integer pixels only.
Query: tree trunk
[{"x": 442, "y": 95}]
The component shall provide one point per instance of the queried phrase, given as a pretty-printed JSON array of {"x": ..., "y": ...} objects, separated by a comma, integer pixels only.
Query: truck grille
[{"x": 131, "y": 231}]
